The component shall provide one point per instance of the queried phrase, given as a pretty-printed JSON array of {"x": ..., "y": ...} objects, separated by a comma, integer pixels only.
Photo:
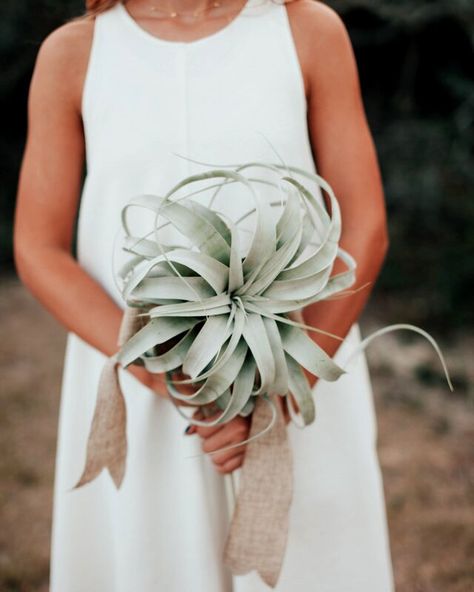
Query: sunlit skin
[{"x": 50, "y": 182}]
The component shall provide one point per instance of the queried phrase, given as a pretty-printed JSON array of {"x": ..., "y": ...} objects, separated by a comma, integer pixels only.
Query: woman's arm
[
  {"x": 48, "y": 196},
  {"x": 345, "y": 156}
]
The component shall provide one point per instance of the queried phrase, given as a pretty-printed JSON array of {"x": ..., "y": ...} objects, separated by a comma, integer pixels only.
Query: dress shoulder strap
[{"x": 105, "y": 39}]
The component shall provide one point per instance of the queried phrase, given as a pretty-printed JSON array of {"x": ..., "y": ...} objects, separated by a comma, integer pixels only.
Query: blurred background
[{"x": 416, "y": 64}]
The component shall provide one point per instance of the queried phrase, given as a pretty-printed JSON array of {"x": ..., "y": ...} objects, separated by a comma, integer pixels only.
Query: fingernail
[{"x": 189, "y": 429}]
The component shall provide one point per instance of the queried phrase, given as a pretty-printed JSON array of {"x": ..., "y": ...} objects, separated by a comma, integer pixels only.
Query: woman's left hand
[
  {"x": 235, "y": 431},
  {"x": 215, "y": 437}
]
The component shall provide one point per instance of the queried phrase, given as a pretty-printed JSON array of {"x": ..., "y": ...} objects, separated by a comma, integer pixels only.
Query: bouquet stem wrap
[{"x": 259, "y": 527}]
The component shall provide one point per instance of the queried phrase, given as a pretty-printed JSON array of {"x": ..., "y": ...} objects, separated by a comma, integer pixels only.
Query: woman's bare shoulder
[
  {"x": 314, "y": 19},
  {"x": 63, "y": 57},
  {"x": 321, "y": 40}
]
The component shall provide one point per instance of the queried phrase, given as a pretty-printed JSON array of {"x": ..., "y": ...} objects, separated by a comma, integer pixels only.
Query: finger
[
  {"x": 177, "y": 376},
  {"x": 235, "y": 430},
  {"x": 184, "y": 389},
  {"x": 207, "y": 413},
  {"x": 224, "y": 437},
  {"x": 158, "y": 380},
  {"x": 207, "y": 432},
  {"x": 187, "y": 389},
  {"x": 232, "y": 464},
  {"x": 161, "y": 388},
  {"x": 221, "y": 458},
  {"x": 191, "y": 427}
]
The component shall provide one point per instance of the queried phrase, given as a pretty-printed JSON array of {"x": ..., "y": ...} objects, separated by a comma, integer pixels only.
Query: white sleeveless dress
[{"x": 217, "y": 99}]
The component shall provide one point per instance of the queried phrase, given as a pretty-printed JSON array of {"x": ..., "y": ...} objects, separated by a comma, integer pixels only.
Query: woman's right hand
[{"x": 157, "y": 383}]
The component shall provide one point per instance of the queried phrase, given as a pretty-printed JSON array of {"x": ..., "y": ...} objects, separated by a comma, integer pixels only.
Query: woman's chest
[{"x": 139, "y": 112}]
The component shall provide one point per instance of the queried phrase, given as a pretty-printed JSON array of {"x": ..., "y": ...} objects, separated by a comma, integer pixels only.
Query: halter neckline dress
[{"x": 224, "y": 98}]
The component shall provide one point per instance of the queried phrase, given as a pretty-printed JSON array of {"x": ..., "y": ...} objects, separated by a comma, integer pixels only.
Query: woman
[{"x": 124, "y": 88}]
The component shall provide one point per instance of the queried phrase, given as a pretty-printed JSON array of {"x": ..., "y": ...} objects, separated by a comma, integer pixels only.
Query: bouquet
[{"x": 226, "y": 317}]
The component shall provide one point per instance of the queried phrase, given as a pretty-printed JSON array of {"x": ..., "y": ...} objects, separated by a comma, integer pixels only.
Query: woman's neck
[{"x": 185, "y": 8}]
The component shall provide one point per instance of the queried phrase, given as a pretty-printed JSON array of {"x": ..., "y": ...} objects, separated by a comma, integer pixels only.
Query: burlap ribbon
[
  {"x": 259, "y": 527},
  {"x": 258, "y": 530}
]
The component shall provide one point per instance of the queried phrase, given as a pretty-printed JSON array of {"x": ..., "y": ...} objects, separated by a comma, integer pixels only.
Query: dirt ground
[{"x": 425, "y": 444}]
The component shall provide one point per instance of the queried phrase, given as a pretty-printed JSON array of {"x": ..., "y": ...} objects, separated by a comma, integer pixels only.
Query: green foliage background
[{"x": 416, "y": 63}]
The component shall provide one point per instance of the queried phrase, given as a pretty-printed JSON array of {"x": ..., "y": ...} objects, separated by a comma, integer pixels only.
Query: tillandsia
[{"x": 225, "y": 318}]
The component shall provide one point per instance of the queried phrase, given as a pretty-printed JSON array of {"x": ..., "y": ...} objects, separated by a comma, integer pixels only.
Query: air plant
[{"x": 231, "y": 315}]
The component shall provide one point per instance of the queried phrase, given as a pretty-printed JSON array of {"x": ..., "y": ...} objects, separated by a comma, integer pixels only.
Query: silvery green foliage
[{"x": 229, "y": 312}]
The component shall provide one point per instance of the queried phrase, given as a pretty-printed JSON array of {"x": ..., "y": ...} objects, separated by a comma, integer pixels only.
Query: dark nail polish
[{"x": 186, "y": 431}]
